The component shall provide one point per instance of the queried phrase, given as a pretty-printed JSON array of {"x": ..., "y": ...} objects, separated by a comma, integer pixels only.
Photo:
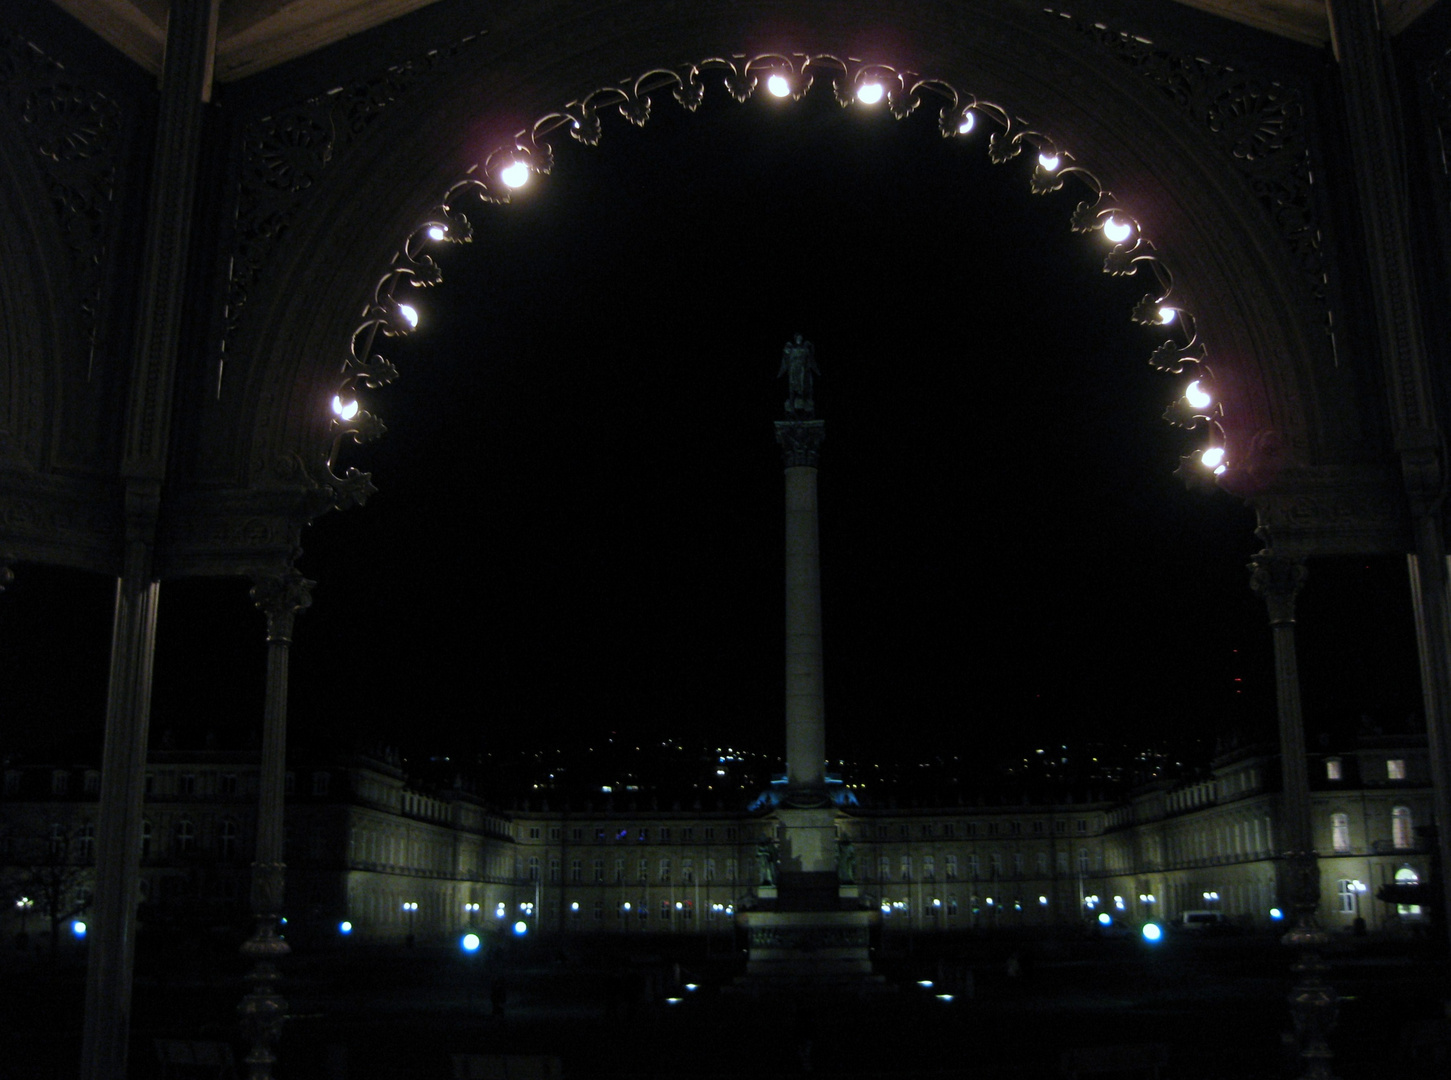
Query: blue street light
[
  {"x": 1153, "y": 933},
  {"x": 469, "y": 943},
  {"x": 521, "y": 928}
]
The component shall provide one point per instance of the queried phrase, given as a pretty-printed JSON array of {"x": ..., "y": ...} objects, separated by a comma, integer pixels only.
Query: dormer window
[
  {"x": 1333, "y": 770},
  {"x": 1395, "y": 769}
]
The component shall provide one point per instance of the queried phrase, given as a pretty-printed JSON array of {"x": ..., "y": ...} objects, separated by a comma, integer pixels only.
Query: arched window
[
  {"x": 1401, "y": 833},
  {"x": 1340, "y": 832},
  {"x": 1406, "y": 876}
]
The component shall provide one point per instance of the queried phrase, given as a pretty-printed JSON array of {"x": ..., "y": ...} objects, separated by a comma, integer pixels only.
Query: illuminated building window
[
  {"x": 1395, "y": 769},
  {"x": 1340, "y": 832},
  {"x": 1345, "y": 891},
  {"x": 1333, "y": 769},
  {"x": 1401, "y": 834},
  {"x": 1406, "y": 876}
]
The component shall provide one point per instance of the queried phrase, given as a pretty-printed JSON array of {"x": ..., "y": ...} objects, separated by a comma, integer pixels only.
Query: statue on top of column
[{"x": 798, "y": 364}]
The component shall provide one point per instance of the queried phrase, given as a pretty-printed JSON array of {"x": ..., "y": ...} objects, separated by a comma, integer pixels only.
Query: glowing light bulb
[
  {"x": 1117, "y": 231},
  {"x": 967, "y": 122},
  {"x": 1048, "y": 162},
  {"x": 410, "y": 313},
  {"x": 437, "y": 232},
  {"x": 870, "y": 93},
  {"x": 1167, "y": 315},
  {"x": 1196, "y": 395},
  {"x": 778, "y": 85},
  {"x": 344, "y": 411},
  {"x": 1212, "y": 458},
  {"x": 515, "y": 175}
]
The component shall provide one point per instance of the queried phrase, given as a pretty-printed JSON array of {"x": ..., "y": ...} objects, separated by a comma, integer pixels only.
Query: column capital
[
  {"x": 800, "y": 442},
  {"x": 1277, "y": 579},
  {"x": 280, "y": 596}
]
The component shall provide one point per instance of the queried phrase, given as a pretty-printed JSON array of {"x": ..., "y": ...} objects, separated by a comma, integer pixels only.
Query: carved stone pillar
[
  {"x": 800, "y": 442},
  {"x": 1314, "y": 1005},
  {"x": 280, "y": 597}
]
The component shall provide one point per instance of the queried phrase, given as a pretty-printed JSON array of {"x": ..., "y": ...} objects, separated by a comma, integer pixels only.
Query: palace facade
[{"x": 392, "y": 858}]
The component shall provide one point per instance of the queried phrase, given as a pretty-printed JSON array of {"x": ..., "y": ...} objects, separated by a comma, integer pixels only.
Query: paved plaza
[{"x": 1017, "y": 1005}]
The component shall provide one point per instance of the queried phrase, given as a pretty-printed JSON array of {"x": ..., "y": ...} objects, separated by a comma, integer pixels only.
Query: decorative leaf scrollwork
[{"x": 904, "y": 92}]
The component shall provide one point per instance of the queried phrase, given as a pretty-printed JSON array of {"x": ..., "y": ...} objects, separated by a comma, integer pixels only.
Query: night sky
[{"x": 578, "y": 527}]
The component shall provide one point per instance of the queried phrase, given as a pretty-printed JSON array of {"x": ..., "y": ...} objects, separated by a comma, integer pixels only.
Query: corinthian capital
[
  {"x": 1277, "y": 580},
  {"x": 280, "y": 597}
]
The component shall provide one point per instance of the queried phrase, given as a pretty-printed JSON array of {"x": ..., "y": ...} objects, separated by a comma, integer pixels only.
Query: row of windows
[
  {"x": 951, "y": 829},
  {"x": 951, "y": 867},
  {"x": 663, "y": 834},
  {"x": 1402, "y": 833},
  {"x": 642, "y": 870},
  {"x": 1395, "y": 769}
]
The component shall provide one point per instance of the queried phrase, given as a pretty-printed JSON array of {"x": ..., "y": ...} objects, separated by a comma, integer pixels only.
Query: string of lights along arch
[{"x": 393, "y": 309}]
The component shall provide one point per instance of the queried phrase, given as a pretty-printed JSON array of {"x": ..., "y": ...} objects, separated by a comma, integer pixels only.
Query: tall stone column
[
  {"x": 162, "y": 297},
  {"x": 800, "y": 442},
  {"x": 112, "y": 945},
  {"x": 280, "y": 597},
  {"x": 1374, "y": 123},
  {"x": 1314, "y": 1004}
]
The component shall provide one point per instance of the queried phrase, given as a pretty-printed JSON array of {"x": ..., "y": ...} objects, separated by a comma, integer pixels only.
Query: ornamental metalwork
[
  {"x": 1260, "y": 122},
  {"x": 77, "y": 134},
  {"x": 487, "y": 183},
  {"x": 283, "y": 155}
]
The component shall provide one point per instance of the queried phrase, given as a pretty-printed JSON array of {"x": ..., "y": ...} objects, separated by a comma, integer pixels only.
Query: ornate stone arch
[{"x": 376, "y": 154}]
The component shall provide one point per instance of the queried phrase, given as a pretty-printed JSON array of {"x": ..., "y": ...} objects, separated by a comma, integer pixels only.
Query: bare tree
[{"x": 49, "y": 869}]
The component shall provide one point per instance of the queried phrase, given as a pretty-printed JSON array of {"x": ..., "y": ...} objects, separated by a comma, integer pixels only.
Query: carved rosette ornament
[
  {"x": 78, "y": 135},
  {"x": 283, "y": 169}
]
